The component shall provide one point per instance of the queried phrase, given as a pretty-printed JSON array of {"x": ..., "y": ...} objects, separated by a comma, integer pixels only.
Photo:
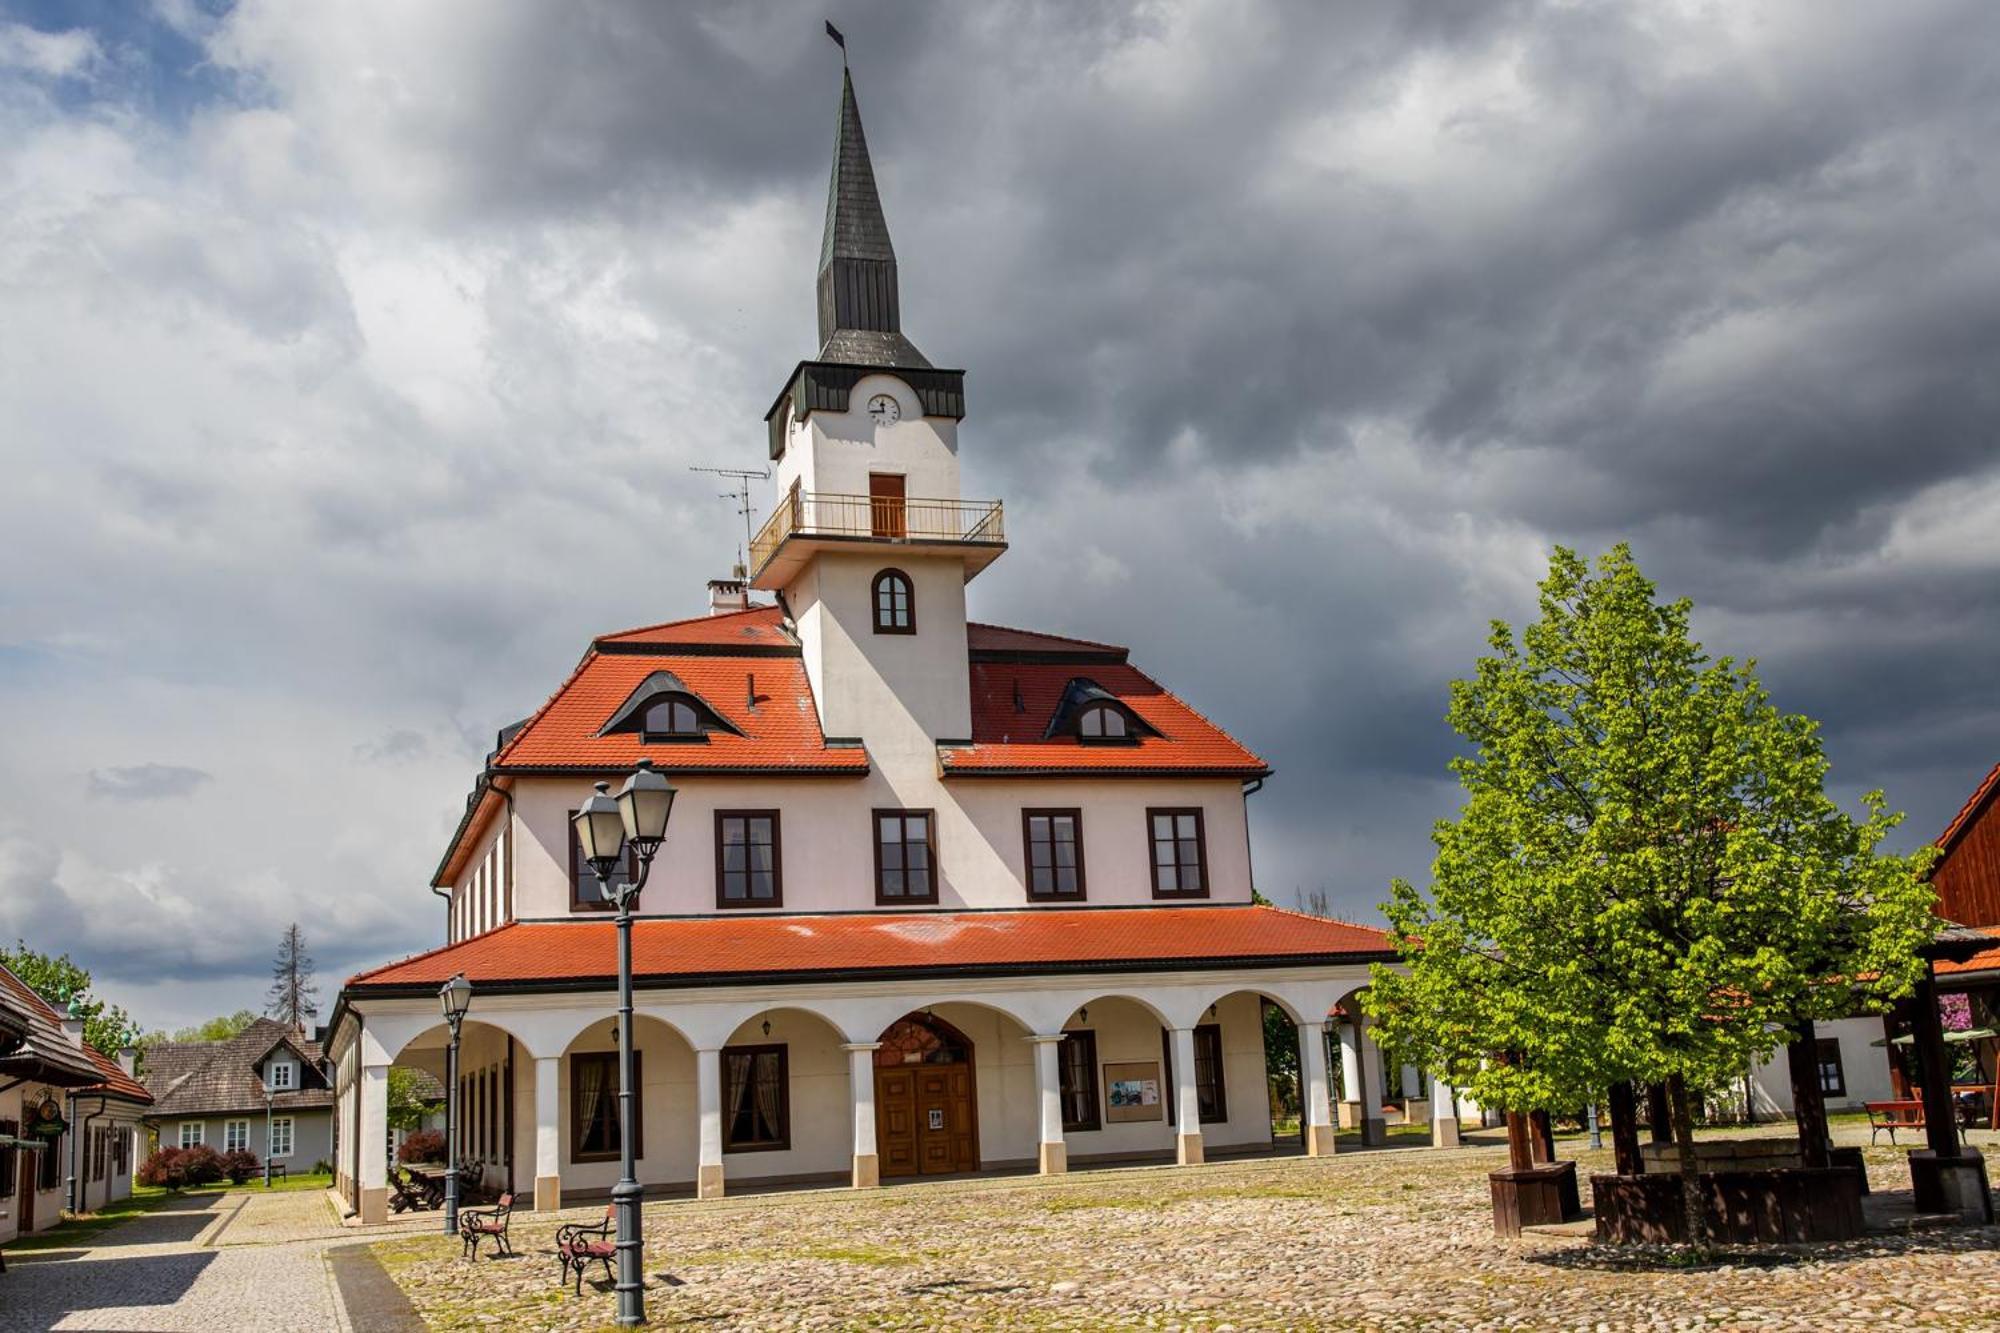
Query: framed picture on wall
[{"x": 1132, "y": 1090}]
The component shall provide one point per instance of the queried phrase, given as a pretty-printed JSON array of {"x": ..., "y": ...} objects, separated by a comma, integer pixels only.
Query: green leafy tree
[
  {"x": 106, "y": 1027},
  {"x": 409, "y": 1106},
  {"x": 221, "y": 1028},
  {"x": 1647, "y": 880}
]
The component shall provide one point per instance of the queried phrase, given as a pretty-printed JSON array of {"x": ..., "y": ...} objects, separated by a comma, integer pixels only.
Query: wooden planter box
[
  {"x": 1785, "y": 1206},
  {"x": 1534, "y": 1196}
]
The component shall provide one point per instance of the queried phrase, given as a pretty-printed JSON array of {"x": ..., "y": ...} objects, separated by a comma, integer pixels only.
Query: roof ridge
[
  {"x": 1044, "y": 634},
  {"x": 1314, "y": 916},
  {"x": 1963, "y": 819},
  {"x": 528, "y": 723},
  {"x": 1220, "y": 730},
  {"x": 759, "y": 608}
]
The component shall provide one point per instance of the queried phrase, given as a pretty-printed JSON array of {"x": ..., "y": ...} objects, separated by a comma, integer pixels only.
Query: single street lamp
[
  {"x": 456, "y": 997},
  {"x": 637, "y": 815},
  {"x": 268, "y": 1095}
]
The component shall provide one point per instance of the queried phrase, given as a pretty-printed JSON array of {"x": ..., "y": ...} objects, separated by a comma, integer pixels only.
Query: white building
[
  {"x": 1853, "y": 1064},
  {"x": 937, "y": 896},
  {"x": 70, "y": 1117}
]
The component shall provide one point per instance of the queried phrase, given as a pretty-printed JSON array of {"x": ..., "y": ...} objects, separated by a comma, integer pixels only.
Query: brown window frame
[
  {"x": 576, "y": 1149},
  {"x": 10, "y": 1159},
  {"x": 777, "y": 898},
  {"x": 577, "y": 869},
  {"x": 1823, "y": 1047},
  {"x": 1086, "y": 1060},
  {"x": 784, "y": 1140},
  {"x": 882, "y": 897},
  {"x": 1051, "y": 895},
  {"x": 1200, "y": 850},
  {"x": 1213, "y": 1112},
  {"x": 909, "y": 599}
]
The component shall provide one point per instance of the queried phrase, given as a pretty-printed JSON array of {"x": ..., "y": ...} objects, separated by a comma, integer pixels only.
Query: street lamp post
[
  {"x": 456, "y": 997},
  {"x": 638, "y": 815},
  {"x": 268, "y": 1095}
]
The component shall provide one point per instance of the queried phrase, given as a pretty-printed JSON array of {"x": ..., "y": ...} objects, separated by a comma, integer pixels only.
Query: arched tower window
[{"x": 895, "y": 602}]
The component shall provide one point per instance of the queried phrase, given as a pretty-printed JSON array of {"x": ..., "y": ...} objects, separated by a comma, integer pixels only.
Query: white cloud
[{"x": 55, "y": 55}]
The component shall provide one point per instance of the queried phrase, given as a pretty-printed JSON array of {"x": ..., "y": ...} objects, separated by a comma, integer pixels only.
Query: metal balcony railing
[{"x": 883, "y": 518}]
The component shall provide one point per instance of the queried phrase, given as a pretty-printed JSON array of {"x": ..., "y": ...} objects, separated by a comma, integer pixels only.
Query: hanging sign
[{"x": 48, "y": 1122}]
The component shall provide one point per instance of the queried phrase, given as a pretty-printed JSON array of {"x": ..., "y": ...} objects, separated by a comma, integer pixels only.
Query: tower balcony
[{"x": 808, "y": 522}]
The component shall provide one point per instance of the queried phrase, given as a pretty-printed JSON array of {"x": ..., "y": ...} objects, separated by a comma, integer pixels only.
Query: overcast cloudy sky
[{"x": 353, "y": 356}]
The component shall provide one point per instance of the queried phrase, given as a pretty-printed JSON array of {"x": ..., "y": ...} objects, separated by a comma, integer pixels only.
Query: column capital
[
  {"x": 1045, "y": 1038},
  {"x": 853, "y": 1046},
  {"x": 1313, "y": 1024}
]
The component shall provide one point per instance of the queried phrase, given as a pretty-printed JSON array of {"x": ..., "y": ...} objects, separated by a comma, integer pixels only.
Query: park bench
[
  {"x": 476, "y": 1224},
  {"x": 409, "y": 1194},
  {"x": 279, "y": 1170},
  {"x": 1892, "y": 1116},
  {"x": 578, "y": 1246}
]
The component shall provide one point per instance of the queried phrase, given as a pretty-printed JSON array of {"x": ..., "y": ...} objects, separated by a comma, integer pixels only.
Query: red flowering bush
[
  {"x": 239, "y": 1165},
  {"x": 426, "y": 1145},
  {"x": 177, "y": 1168},
  {"x": 161, "y": 1168}
]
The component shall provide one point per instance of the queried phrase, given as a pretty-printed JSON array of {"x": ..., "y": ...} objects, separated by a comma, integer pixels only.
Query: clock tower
[{"x": 870, "y": 544}]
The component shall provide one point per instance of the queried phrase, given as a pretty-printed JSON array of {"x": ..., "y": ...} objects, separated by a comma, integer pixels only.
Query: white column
[
  {"x": 1315, "y": 1103},
  {"x": 861, "y": 1091},
  {"x": 1187, "y": 1100},
  {"x": 1350, "y": 1074},
  {"x": 374, "y": 1144},
  {"x": 1052, "y": 1153},
  {"x": 548, "y": 1132},
  {"x": 708, "y": 1098},
  {"x": 1444, "y": 1114},
  {"x": 1374, "y": 1129}
]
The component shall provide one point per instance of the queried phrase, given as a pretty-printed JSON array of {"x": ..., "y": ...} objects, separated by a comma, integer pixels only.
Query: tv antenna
[{"x": 740, "y": 493}]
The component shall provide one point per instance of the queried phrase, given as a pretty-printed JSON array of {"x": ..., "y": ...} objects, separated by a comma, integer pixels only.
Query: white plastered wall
[{"x": 1864, "y": 1065}]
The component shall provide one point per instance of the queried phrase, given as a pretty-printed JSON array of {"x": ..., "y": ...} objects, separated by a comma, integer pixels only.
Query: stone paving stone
[{"x": 1388, "y": 1240}]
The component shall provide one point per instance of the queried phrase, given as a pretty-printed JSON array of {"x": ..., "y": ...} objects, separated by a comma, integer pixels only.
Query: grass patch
[
  {"x": 80, "y": 1229},
  {"x": 306, "y": 1181}
]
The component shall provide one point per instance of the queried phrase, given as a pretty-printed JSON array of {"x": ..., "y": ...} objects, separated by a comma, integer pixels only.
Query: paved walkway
[{"x": 209, "y": 1262}]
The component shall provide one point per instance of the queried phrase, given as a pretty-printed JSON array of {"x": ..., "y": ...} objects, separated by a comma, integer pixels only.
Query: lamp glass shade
[
  {"x": 455, "y": 996},
  {"x": 645, "y": 803},
  {"x": 600, "y": 830}
]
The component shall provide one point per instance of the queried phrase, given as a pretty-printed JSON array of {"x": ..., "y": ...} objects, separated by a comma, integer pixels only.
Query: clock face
[{"x": 884, "y": 409}]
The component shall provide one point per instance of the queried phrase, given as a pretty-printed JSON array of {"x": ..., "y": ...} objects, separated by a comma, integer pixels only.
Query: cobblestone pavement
[
  {"x": 1389, "y": 1240},
  {"x": 213, "y": 1262}
]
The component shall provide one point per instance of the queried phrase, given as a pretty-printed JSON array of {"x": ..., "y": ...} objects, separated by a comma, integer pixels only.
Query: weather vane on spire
[{"x": 838, "y": 41}]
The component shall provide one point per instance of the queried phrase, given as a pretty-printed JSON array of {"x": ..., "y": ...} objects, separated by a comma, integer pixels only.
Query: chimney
[
  {"x": 730, "y": 594},
  {"x": 128, "y": 1060},
  {"x": 72, "y": 1023}
]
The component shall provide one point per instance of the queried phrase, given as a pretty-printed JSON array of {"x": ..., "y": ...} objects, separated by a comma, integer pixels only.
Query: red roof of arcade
[
  {"x": 721, "y": 949},
  {"x": 1970, "y": 810}
]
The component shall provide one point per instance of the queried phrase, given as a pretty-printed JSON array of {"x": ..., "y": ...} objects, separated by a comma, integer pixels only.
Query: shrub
[
  {"x": 322, "y": 1167},
  {"x": 426, "y": 1145},
  {"x": 161, "y": 1168},
  {"x": 200, "y": 1165},
  {"x": 239, "y": 1165}
]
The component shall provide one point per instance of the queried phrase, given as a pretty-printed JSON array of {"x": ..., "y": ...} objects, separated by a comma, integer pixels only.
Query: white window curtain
[{"x": 590, "y": 1097}]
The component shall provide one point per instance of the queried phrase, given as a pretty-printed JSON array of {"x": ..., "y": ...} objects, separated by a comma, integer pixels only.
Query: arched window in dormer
[
  {"x": 663, "y": 708},
  {"x": 895, "y": 602},
  {"x": 1102, "y": 722}
]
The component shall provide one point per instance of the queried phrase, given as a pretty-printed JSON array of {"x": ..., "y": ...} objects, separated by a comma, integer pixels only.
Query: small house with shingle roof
[{"x": 264, "y": 1090}]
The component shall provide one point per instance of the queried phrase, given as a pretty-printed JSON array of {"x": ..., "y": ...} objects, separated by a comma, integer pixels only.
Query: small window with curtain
[
  {"x": 1832, "y": 1077},
  {"x": 895, "y": 601},
  {"x": 281, "y": 1137},
  {"x": 1076, "y": 1072},
  {"x": 593, "y": 1106},
  {"x": 756, "y": 1099},
  {"x": 748, "y": 859},
  {"x": 191, "y": 1131},
  {"x": 587, "y": 893},
  {"x": 1053, "y": 853},
  {"x": 905, "y": 856},
  {"x": 1180, "y": 861},
  {"x": 235, "y": 1135}
]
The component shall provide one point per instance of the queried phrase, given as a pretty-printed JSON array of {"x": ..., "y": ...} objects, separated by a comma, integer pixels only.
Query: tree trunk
[
  {"x": 1658, "y": 1118},
  {"x": 1692, "y": 1211},
  {"x": 1625, "y": 1130},
  {"x": 1808, "y": 1101}
]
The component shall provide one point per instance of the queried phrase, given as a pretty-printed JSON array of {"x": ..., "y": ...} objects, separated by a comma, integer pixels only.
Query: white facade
[{"x": 1863, "y": 1070}]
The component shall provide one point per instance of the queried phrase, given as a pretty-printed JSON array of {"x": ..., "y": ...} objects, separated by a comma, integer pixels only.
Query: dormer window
[
  {"x": 664, "y": 709},
  {"x": 1102, "y": 722},
  {"x": 281, "y": 1075},
  {"x": 895, "y": 603}
]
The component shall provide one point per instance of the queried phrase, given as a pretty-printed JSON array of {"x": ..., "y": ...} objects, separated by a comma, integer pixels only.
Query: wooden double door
[{"x": 926, "y": 1119}]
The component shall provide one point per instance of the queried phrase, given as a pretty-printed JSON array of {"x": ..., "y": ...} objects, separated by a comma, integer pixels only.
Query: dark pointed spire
[{"x": 860, "y": 320}]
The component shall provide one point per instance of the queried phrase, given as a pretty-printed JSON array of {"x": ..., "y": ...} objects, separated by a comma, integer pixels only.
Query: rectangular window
[
  {"x": 1180, "y": 861},
  {"x": 121, "y": 1154},
  {"x": 593, "y": 1106},
  {"x": 1076, "y": 1069},
  {"x": 1832, "y": 1078},
  {"x": 586, "y": 892},
  {"x": 53, "y": 1156},
  {"x": 905, "y": 856},
  {"x": 9, "y": 1159},
  {"x": 191, "y": 1131},
  {"x": 756, "y": 1099},
  {"x": 1054, "y": 853},
  {"x": 748, "y": 859},
  {"x": 281, "y": 1137},
  {"x": 281, "y": 1075},
  {"x": 1208, "y": 1087},
  {"x": 100, "y": 1152},
  {"x": 235, "y": 1135}
]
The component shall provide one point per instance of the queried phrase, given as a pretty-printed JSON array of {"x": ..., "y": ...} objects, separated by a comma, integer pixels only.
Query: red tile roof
[
  {"x": 1002, "y": 639},
  {"x": 756, "y": 628},
  {"x": 690, "y": 950},
  {"x": 1970, "y": 810},
  {"x": 47, "y": 1038},
  {"x": 1012, "y": 704},
  {"x": 1987, "y": 960}
]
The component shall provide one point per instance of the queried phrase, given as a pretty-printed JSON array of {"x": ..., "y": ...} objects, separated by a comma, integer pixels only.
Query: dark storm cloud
[{"x": 1295, "y": 334}]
